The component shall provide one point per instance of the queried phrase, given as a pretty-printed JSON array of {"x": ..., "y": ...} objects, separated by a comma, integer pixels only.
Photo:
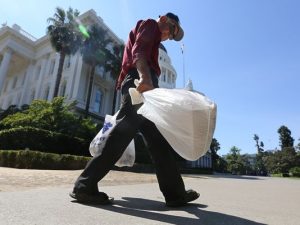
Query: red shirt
[{"x": 143, "y": 42}]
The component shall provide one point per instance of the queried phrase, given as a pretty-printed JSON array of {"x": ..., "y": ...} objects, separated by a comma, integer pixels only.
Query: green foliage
[
  {"x": 99, "y": 50},
  {"x": 295, "y": 171},
  {"x": 9, "y": 111},
  {"x": 222, "y": 165},
  {"x": 214, "y": 147},
  {"x": 39, "y": 160},
  {"x": 237, "y": 163},
  {"x": 281, "y": 161},
  {"x": 56, "y": 116},
  {"x": 64, "y": 31},
  {"x": 259, "y": 166},
  {"x": 298, "y": 146},
  {"x": 42, "y": 140},
  {"x": 285, "y": 137},
  {"x": 65, "y": 37}
]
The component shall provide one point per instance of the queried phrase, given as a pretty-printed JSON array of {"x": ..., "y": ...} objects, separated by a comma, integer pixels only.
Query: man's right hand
[
  {"x": 145, "y": 82},
  {"x": 144, "y": 85}
]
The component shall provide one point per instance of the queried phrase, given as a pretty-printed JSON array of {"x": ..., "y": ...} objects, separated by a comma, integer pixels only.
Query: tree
[
  {"x": 285, "y": 137},
  {"x": 115, "y": 68},
  {"x": 12, "y": 109},
  {"x": 259, "y": 163},
  {"x": 298, "y": 146},
  {"x": 234, "y": 160},
  {"x": 281, "y": 161},
  {"x": 214, "y": 147},
  {"x": 65, "y": 38},
  {"x": 98, "y": 50}
]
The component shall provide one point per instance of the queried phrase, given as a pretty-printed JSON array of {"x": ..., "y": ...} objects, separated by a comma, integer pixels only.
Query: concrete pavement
[{"x": 228, "y": 200}]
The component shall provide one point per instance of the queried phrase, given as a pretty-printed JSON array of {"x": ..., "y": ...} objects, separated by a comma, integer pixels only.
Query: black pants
[{"x": 129, "y": 123}]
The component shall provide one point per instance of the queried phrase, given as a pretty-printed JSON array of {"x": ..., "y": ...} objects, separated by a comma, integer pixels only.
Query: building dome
[{"x": 168, "y": 74}]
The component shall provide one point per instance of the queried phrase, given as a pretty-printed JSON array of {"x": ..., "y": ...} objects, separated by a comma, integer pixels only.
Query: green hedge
[
  {"x": 42, "y": 140},
  {"x": 40, "y": 160}
]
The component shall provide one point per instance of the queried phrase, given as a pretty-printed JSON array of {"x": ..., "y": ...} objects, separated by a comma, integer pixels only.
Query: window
[
  {"x": 67, "y": 62},
  {"x": 169, "y": 78},
  {"x": 163, "y": 74},
  {"x": 47, "y": 91},
  {"x": 173, "y": 79},
  {"x": 32, "y": 95},
  {"x": 63, "y": 88},
  {"x": 99, "y": 70},
  {"x": 98, "y": 101}
]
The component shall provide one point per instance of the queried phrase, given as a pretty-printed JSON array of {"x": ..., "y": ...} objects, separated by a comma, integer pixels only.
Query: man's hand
[
  {"x": 144, "y": 85},
  {"x": 145, "y": 82}
]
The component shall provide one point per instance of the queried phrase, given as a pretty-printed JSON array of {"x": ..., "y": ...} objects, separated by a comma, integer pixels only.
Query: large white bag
[
  {"x": 97, "y": 144},
  {"x": 185, "y": 118}
]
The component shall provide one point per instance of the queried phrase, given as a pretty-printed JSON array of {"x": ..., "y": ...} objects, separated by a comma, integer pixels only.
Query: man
[{"x": 140, "y": 61}]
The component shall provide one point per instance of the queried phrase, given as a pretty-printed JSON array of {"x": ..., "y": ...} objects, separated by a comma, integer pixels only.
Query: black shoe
[
  {"x": 99, "y": 198},
  {"x": 190, "y": 195}
]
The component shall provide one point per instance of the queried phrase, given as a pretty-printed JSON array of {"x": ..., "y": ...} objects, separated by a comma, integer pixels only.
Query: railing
[{"x": 23, "y": 32}]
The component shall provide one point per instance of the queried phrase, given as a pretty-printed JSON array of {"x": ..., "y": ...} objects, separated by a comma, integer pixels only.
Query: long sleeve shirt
[{"x": 143, "y": 42}]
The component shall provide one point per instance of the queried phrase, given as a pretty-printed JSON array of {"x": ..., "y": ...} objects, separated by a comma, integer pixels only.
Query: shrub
[
  {"x": 39, "y": 160},
  {"x": 56, "y": 116},
  {"x": 42, "y": 140},
  {"x": 295, "y": 171}
]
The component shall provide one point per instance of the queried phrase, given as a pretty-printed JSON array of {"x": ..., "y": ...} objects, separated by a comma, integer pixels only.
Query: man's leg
[
  {"x": 169, "y": 178},
  {"x": 167, "y": 172},
  {"x": 128, "y": 122}
]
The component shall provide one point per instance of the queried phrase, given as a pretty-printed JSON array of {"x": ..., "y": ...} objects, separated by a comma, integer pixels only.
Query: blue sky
[{"x": 244, "y": 55}]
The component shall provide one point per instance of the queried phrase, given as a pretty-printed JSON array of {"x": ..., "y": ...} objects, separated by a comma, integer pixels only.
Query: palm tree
[
  {"x": 115, "y": 69},
  {"x": 65, "y": 37},
  {"x": 97, "y": 49}
]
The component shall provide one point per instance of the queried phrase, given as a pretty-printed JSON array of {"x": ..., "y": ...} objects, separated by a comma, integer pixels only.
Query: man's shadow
[{"x": 151, "y": 210}]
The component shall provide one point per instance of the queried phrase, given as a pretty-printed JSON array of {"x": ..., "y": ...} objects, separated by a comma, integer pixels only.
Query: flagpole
[{"x": 183, "y": 67}]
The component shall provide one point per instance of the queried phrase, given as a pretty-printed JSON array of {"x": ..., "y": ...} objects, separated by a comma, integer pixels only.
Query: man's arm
[{"x": 145, "y": 82}]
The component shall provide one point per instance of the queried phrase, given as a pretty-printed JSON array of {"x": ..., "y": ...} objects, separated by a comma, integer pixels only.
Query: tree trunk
[
  {"x": 88, "y": 99},
  {"x": 59, "y": 73}
]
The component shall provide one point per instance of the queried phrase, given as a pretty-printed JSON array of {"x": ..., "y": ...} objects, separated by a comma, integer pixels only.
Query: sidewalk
[{"x": 224, "y": 200}]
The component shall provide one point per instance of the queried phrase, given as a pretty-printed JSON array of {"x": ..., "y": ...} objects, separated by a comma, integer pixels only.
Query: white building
[{"x": 29, "y": 67}]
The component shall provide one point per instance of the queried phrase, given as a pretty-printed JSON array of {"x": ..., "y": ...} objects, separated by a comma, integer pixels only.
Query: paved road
[{"x": 224, "y": 200}]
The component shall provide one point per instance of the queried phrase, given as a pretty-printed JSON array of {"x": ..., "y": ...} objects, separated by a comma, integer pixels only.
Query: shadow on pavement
[{"x": 150, "y": 209}]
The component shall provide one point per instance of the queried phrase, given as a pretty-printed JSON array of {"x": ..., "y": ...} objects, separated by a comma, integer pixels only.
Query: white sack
[
  {"x": 97, "y": 144},
  {"x": 186, "y": 119}
]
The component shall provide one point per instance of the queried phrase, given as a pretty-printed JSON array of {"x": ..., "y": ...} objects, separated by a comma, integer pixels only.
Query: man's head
[{"x": 170, "y": 27}]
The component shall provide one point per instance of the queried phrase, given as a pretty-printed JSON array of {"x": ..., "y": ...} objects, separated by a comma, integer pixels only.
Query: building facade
[{"x": 29, "y": 67}]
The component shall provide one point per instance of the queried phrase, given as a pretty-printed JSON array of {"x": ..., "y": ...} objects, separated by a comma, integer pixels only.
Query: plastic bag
[
  {"x": 97, "y": 144},
  {"x": 185, "y": 118}
]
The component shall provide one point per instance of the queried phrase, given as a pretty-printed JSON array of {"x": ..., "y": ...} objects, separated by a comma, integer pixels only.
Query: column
[
  {"x": 4, "y": 66},
  {"x": 72, "y": 76},
  {"x": 77, "y": 76},
  {"x": 41, "y": 77},
  {"x": 26, "y": 90}
]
